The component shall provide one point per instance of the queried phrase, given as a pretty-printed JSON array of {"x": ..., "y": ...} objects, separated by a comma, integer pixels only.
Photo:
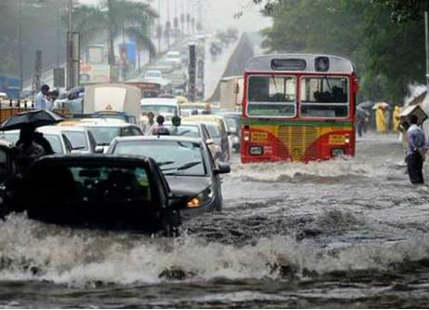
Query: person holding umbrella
[
  {"x": 27, "y": 149},
  {"x": 30, "y": 145}
]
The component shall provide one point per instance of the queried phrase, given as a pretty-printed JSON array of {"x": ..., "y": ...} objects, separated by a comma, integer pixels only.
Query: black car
[
  {"x": 186, "y": 162},
  {"x": 96, "y": 191}
]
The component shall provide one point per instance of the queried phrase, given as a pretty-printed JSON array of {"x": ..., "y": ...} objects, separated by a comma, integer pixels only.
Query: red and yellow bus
[{"x": 298, "y": 107}]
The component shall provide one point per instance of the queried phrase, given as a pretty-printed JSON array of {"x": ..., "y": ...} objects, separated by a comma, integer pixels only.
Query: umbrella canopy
[
  {"x": 382, "y": 105},
  {"x": 366, "y": 104},
  {"x": 32, "y": 119}
]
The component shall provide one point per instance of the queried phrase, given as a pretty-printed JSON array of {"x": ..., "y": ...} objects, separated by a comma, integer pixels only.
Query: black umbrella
[{"x": 32, "y": 119}]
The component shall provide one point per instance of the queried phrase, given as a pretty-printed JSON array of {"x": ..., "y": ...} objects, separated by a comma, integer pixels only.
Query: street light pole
[
  {"x": 427, "y": 49},
  {"x": 70, "y": 76},
  {"x": 21, "y": 60}
]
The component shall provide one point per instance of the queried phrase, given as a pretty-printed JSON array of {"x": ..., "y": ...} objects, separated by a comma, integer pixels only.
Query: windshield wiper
[
  {"x": 183, "y": 167},
  {"x": 163, "y": 163}
]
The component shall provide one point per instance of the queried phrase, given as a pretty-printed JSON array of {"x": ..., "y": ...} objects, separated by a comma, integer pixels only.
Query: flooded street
[{"x": 344, "y": 233}]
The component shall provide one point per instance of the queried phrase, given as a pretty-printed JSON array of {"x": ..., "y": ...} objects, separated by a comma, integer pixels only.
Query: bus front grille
[{"x": 297, "y": 141}]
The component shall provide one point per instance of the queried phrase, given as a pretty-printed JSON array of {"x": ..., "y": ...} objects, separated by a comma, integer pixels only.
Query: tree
[
  {"x": 389, "y": 56},
  {"x": 115, "y": 17},
  {"x": 405, "y": 10}
]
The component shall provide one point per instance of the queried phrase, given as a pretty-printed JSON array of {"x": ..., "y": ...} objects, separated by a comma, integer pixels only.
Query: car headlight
[{"x": 201, "y": 199}]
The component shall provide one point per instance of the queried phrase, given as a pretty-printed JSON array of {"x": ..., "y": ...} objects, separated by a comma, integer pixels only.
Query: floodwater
[{"x": 343, "y": 233}]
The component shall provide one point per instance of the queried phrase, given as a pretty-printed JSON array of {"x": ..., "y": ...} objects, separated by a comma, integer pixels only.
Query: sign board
[{"x": 94, "y": 73}]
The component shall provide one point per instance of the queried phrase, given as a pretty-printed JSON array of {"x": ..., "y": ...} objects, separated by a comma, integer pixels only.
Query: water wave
[
  {"x": 302, "y": 172},
  {"x": 30, "y": 250}
]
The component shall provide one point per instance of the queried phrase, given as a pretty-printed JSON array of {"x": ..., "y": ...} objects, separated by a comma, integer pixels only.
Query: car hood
[{"x": 185, "y": 183}]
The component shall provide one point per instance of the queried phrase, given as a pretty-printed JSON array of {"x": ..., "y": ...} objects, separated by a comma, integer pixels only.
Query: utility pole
[
  {"x": 427, "y": 49},
  {"x": 20, "y": 52},
  {"x": 168, "y": 24},
  {"x": 159, "y": 27},
  {"x": 70, "y": 75}
]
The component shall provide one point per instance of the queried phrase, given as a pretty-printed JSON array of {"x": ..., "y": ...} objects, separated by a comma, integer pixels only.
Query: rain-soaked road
[{"x": 344, "y": 233}]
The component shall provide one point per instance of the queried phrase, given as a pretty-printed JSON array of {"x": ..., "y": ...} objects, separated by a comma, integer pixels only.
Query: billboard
[{"x": 94, "y": 73}]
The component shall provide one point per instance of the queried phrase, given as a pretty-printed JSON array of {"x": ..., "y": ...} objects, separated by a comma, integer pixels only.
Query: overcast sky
[{"x": 217, "y": 14}]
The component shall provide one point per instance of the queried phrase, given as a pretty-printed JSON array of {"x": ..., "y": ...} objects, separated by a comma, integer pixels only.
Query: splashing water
[{"x": 36, "y": 251}]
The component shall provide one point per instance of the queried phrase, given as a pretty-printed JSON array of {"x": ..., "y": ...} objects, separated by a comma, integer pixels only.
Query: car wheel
[{"x": 171, "y": 221}]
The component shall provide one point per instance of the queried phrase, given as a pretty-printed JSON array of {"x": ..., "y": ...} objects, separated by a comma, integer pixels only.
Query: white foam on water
[
  {"x": 30, "y": 250},
  {"x": 279, "y": 170}
]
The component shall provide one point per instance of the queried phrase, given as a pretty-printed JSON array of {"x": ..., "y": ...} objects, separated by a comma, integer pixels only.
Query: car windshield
[
  {"x": 54, "y": 140},
  {"x": 233, "y": 123},
  {"x": 184, "y": 130},
  {"x": 104, "y": 135},
  {"x": 158, "y": 109},
  {"x": 152, "y": 74},
  {"x": 77, "y": 139},
  {"x": 12, "y": 137},
  {"x": 87, "y": 184},
  {"x": 164, "y": 62},
  {"x": 174, "y": 157},
  {"x": 214, "y": 130}
]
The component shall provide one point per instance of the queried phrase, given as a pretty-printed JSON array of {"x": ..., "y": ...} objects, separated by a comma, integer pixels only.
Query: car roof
[
  {"x": 70, "y": 128},
  {"x": 112, "y": 125},
  {"x": 50, "y": 129},
  {"x": 193, "y": 124},
  {"x": 159, "y": 138},
  {"x": 93, "y": 158},
  {"x": 231, "y": 114},
  {"x": 159, "y": 101},
  {"x": 204, "y": 118}
]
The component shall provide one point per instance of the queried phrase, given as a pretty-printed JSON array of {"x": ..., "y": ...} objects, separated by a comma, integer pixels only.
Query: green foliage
[
  {"x": 405, "y": 10},
  {"x": 388, "y": 55},
  {"x": 114, "y": 17}
]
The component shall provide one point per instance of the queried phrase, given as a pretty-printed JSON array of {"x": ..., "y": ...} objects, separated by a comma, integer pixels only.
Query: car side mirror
[
  {"x": 99, "y": 149},
  {"x": 222, "y": 168}
]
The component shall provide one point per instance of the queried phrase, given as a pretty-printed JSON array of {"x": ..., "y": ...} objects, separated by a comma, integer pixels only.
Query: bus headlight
[
  {"x": 337, "y": 152},
  {"x": 256, "y": 150}
]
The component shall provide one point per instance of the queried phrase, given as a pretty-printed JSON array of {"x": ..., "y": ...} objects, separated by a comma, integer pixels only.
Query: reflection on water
[{"x": 349, "y": 232}]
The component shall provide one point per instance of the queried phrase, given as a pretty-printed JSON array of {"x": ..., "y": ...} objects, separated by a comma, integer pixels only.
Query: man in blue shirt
[
  {"x": 416, "y": 150},
  {"x": 42, "y": 100}
]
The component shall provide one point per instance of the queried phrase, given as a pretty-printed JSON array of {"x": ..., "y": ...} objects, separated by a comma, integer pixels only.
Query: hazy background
[{"x": 217, "y": 14}]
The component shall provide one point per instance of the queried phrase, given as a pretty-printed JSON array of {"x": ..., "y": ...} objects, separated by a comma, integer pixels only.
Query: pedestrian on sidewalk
[
  {"x": 380, "y": 119},
  {"x": 416, "y": 151},
  {"x": 42, "y": 100}
]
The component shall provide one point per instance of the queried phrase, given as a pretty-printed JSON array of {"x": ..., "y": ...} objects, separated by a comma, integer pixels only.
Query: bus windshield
[
  {"x": 273, "y": 95},
  {"x": 324, "y": 97}
]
